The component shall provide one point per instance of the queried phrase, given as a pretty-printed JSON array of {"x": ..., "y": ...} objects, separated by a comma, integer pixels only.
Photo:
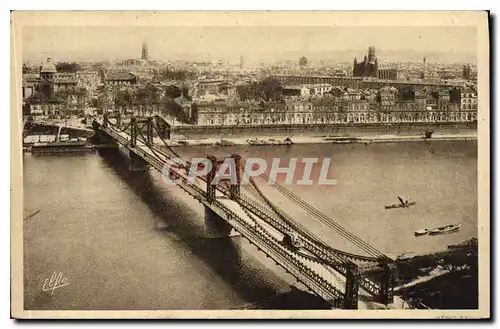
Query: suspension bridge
[{"x": 343, "y": 279}]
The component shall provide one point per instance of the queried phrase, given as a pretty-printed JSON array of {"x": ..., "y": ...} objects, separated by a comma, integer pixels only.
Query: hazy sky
[{"x": 167, "y": 43}]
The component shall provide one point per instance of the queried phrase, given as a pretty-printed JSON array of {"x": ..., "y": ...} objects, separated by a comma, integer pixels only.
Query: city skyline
[{"x": 254, "y": 43}]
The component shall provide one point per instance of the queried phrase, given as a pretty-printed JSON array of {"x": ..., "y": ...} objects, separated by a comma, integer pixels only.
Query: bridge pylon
[
  {"x": 133, "y": 131},
  {"x": 351, "y": 287},
  {"x": 163, "y": 127},
  {"x": 215, "y": 226},
  {"x": 211, "y": 188},
  {"x": 234, "y": 189},
  {"x": 386, "y": 295},
  {"x": 150, "y": 129},
  {"x": 118, "y": 119},
  {"x": 136, "y": 162},
  {"x": 105, "y": 120}
]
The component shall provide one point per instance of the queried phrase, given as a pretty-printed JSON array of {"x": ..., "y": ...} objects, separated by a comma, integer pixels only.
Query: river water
[{"x": 125, "y": 240}]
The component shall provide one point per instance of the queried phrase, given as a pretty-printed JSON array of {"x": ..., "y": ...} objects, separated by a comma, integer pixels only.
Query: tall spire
[{"x": 144, "y": 55}]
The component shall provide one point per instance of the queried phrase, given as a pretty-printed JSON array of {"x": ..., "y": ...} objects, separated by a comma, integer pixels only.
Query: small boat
[
  {"x": 225, "y": 142},
  {"x": 342, "y": 140},
  {"x": 445, "y": 229},
  {"x": 428, "y": 134},
  {"x": 424, "y": 231},
  {"x": 254, "y": 142},
  {"x": 399, "y": 205},
  {"x": 61, "y": 147},
  {"x": 270, "y": 141}
]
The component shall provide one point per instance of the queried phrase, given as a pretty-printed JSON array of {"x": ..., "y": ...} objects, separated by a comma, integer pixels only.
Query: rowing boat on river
[{"x": 400, "y": 205}]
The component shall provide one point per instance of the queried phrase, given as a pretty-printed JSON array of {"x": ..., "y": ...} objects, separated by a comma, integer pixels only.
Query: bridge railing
[
  {"x": 308, "y": 276},
  {"x": 327, "y": 256}
]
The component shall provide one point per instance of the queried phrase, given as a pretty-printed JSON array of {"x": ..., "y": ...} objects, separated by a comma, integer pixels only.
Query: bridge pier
[
  {"x": 103, "y": 139},
  {"x": 351, "y": 287},
  {"x": 217, "y": 227}
]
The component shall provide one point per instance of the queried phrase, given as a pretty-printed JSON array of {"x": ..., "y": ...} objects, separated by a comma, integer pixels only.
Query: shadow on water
[{"x": 250, "y": 280}]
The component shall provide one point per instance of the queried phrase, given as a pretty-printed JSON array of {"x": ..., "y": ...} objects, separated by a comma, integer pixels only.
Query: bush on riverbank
[
  {"x": 454, "y": 290},
  {"x": 457, "y": 288}
]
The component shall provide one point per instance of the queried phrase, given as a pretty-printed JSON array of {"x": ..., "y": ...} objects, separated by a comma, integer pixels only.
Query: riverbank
[
  {"x": 339, "y": 129},
  {"x": 323, "y": 139},
  {"x": 442, "y": 280}
]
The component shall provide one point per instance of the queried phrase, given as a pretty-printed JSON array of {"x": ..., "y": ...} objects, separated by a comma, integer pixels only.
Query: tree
[
  {"x": 123, "y": 98},
  {"x": 67, "y": 67},
  {"x": 26, "y": 69},
  {"x": 303, "y": 61},
  {"x": 269, "y": 89},
  {"x": 185, "y": 92},
  {"x": 246, "y": 92},
  {"x": 174, "y": 74},
  {"x": 173, "y": 91},
  {"x": 46, "y": 89}
]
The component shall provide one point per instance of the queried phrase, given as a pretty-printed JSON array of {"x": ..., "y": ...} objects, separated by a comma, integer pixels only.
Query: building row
[
  {"x": 364, "y": 82},
  {"x": 57, "y": 81},
  {"x": 361, "y": 113}
]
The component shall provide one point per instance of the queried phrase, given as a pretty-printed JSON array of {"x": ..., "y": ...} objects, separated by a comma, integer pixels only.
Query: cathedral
[{"x": 369, "y": 66}]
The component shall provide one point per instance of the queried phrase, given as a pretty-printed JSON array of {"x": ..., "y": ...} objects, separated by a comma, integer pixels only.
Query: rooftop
[
  {"x": 48, "y": 67},
  {"x": 120, "y": 76},
  {"x": 31, "y": 77}
]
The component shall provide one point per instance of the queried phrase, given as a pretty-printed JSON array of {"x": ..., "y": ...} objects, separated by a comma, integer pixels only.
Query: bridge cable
[
  {"x": 298, "y": 226},
  {"x": 326, "y": 220},
  {"x": 155, "y": 126},
  {"x": 365, "y": 282},
  {"x": 294, "y": 224},
  {"x": 337, "y": 227},
  {"x": 344, "y": 233},
  {"x": 319, "y": 241}
]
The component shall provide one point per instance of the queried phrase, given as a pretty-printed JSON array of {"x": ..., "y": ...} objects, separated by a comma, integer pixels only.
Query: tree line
[{"x": 269, "y": 90}]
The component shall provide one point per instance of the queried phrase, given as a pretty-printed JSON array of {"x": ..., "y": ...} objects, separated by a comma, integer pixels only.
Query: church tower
[
  {"x": 372, "y": 57},
  {"x": 144, "y": 55}
]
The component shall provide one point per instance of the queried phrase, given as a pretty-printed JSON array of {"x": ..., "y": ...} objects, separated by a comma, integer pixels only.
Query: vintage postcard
[{"x": 250, "y": 165}]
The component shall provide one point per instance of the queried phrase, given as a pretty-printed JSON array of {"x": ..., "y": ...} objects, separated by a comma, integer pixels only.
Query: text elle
[{"x": 56, "y": 280}]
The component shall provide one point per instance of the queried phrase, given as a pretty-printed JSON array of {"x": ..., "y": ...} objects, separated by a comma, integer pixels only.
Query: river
[{"x": 127, "y": 241}]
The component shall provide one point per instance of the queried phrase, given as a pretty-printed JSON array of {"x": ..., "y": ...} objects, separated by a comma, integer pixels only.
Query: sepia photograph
[{"x": 250, "y": 164}]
